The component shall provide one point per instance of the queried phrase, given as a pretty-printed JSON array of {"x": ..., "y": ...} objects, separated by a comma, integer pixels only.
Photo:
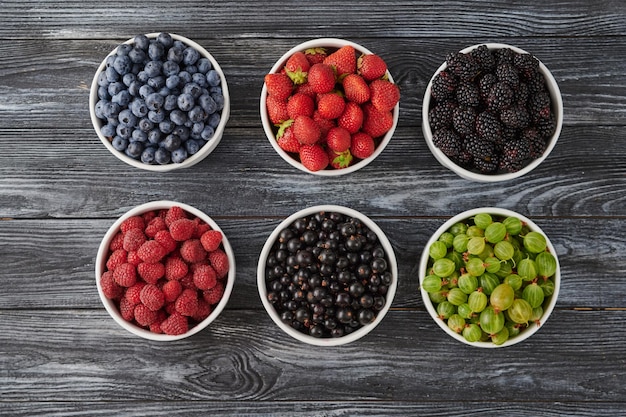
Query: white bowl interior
[
  {"x": 191, "y": 160},
  {"x": 267, "y": 124},
  {"x": 102, "y": 255},
  {"x": 326, "y": 341},
  {"x": 548, "y": 306},
  {"x": 557, "y": 105}
]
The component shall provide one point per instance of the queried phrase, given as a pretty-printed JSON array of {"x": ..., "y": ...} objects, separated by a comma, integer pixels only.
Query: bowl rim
[
  {"x": 332, "y": 43},
  {"x": 361, "y": 332},
  {"x": 102, "y": 256},
  {"x": 557, "y": 103},
  {"x": 208, "y": 147},
  {"x": 549, "y": 306}
]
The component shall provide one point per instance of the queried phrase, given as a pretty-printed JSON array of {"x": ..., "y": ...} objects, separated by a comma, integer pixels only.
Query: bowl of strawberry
[
  {"x": 329, "y": 106},
  {"x": 164, "y": 270}
]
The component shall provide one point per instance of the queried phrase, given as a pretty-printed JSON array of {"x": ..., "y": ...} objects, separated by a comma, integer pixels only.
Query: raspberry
[
  {"x": 133, "y": 222},
  {"x": 166, "y": 240},
  {"x": 171, "y": 291},
  {"x": 204, "y": 277},
  {"x": 152, "y": 297},
  {"x": 187, "y": 302},
  {"x": 151, "y": 272},
  {"x": 127, "y": 309},
  {"x": 144, "y": 316},
  {"x": 192, "y": 251},
  {"x": 125, "y": 275},
  {"x": 174, "y": 213},
  {"x": 155, "y": 326},
  {"x": 133, "y": 258},
  {"x": 175, "y": 268},
  {"x": 132, "y": 293},
  {"x": 211, "y": 240},
  {"x": 117, "y": 242},
  {"x": 219, "y": 261},
  {"x": 215, "y": 294},
  {"x": 155, "y": 225},
  {"x": 151, "y": 251},
  {"x": 148, "y": 216},
  {"x": 203, "y": 310},
  {"x": 116, "y": 258},
  {"x": 182, "y": 229},
  {"x": 110, "y": 288},
  {"x": 175, "y": 324},
  {"x": 201, "y": 228}
]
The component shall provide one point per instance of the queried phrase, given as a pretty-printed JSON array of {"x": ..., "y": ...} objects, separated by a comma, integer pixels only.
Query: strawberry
[
  {"x": 339, "y": 160},
  {"x": 356, "y": 89},
  {"x": 211, "y": 240},
  {"x": 175, "y": 324},
  {"x": 362, "y": 145},
  {"x": 307, "y": 89},
  {"x": 313, "y": 157},
  {"x": 152, "y": 297},
  {"x": 182, "y": 229},
  {"x": 286, "y": 140},
  {"x": 352, "y": 117},
  {"x": 338, "y": 139},
  {"x": 324, "y": 124},
  {"x": 322, "y": 78},
  {"x": 296, "y": 67},
  {"x": 125, "y": 275},
  {"x": 315, "y": 55},
  {"x": 219, "y": 261},
  {"x": 371, "y": 67},
  {"x": 276, "y": 109},
  {"x": 330, "y": 106},
  {"x": 376, "y": 123},
  {"x": 384, "y": 94},
  {"x": 278, "y": 85},
  {"x": 343, "y": 60},
  {"x": 298, "y": 104},
  {"x": 151, "y": 272},
  {"x": 192, "y": 251},
  {"x": 306, "y": 130}
]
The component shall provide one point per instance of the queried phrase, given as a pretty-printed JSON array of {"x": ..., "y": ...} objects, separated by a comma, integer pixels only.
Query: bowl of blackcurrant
[
  {"x": 489, "y": 277},
  {"x": 159, "y": 102},
  {"x": 327, "y": 275},
  {"x": 492, "y": 112}
]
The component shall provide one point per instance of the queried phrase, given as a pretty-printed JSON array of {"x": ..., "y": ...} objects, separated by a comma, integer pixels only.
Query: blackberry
[
  {"x": 536, "y": 142},
  {"x": 508, "y": 74},
  {"x": 468, "y": 95},
  {"x": 516, "y": 117},
  {"x": 485, "y": 83},
  {"x": 539, "y": 106},
  {"x": 440, "y": 115},
  {"x": 463, "y": 66},
  {"x": 443, "y": 86},
  {"x": 464, "y": 159},
  {"x": 479, "y": 148},
  {"x": 448, "y": 141},
  {"x": 510, "y": 165},
  {"x": 486, "y": 166},
  {"x": 546, "y": 127},
  {"x": 485, "y": 58},
  {"x": 463, "y": 120},
  {"x": 500, "y": 97},
  {"x": 521, "y": 93},
  {"x": 504, "y": 55},
  {"x": 488, "y": 126},
  {"x": 517, "y": 150},
  {"x": 537, "y": 83},
  {"x": 526, "y": 64}
]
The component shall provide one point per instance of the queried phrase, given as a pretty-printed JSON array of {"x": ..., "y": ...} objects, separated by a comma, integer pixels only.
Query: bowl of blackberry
[
  {"x": 159, "y": 102},
  {"x": 492, "y": 112},
  {"x": 327, "y": 275}
]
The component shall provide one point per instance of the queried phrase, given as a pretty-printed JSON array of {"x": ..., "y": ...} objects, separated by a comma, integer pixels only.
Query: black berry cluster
[
  {"x": 491, "y": 111},
  {"x": 327, "y": 275}
]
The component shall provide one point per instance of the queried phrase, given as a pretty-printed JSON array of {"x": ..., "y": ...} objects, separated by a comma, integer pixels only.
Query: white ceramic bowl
[
  {"x": 270, "y": 130},
  {"x": 208, "y": 147},
  {"x": 103, "y": 252},
  {"x": 359, "y": 333},
  {"x": 557, "y": 108},
  {"x": 548, "y": 304}
]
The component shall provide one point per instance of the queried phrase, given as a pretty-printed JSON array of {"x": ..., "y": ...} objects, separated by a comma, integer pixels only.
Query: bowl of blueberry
[
  {"x": 159, "y": 102},
  {"x": 492, "y": 112},
  {"x": 327, "y": 275}
]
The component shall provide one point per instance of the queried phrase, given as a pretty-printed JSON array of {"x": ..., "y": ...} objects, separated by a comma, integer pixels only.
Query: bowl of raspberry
[
  {"x": 492, "y": 112},
  {"x": 164, "y": 270},
  {"x": 159, "y": 102},
  {"x": 327, "y": 275},
  {"x": 329, "y": 106}
]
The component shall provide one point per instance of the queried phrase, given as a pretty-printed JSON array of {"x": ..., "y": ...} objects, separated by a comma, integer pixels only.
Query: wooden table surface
[{"x": 60, "y": 190}]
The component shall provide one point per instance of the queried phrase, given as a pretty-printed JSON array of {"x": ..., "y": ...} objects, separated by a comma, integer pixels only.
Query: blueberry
[
  {"x": 173, "y": 81},
  {"x": 103, "y": 93},
  {"x": 171, "y": 102},
  {"x": 113, "y": 121},
  {"x": 214, "y": 120},
  {"x": 199, "y": 79},
  {"x": 192, "y": 146},
  {"x": 123, "y": 49},
  {"x": 156, "y": 116},
  {"x": 193, "y": 89},
  {"x": 175, "y": 55},
  {"x": 179, "y": 44},
  {"x": 153, "y": 68},
  {"x": 115, "y": 88},
  {"x": 137, "y": 56},
  {"x": 171, "y": 142},
  {"x": 145, "y": 90},
  {"x": 108, "y": 130},
  {"x": 207, "y": 103},
  {"x": 166, "y": 126},
  {"x": 124, "y": 131},
  {"x": 182, "y": 132},
  {"x": 139, "y": 136},
  {"x": 204, "y": 65},
  {"x": 207, "y": 133},
  {"x": 197, "y": 128},
  {"x": 190, "y": 56},
  {"x": 122, "y": 98},
  {"x": 179, "y": 117},
  {"x": 213, "y": 78},
  {"x": 179, "y": 155},
  {"x": 164, "y": 91},
  {"x": 154, "y": 101},
  {"x": 108, "y": 62},
  {"x": 134, "y": 149},
  {"x": 145, "y": 125},
  {"x": 217, "y": 89},
  {"x": 165, "y": 39},
  {"x": 219, "y": 100},
  {"x": 98, "y": 108},
  {"x": 148, "y": 154},
  {"x": 185, "y": 101},
  {"x": 185, "y": 77},
  {"x": 122, "y": 64},
  {"x": 137, "y": 68},
  {"x": 141, "y": 42},
  {"x": 156, "y": 51},
  {"x": 134, "y": 88},
  {"x": 157, "y": 82},
  {"x": 154, "y": 136},
  {"x": 162, "y": 156},
  {"x": 191, "y": 69},
  {"x": 102, "y": 78},
  {"x": 170, "y": 68},
  {"x": 111, "y": 75},
  {"x": 128, "y": 79},
  {"x": 196, "y": 114},
  {"x": 119, "y": 143},
  {"x": 138, "y": 107},
  {"x": 143, "y": 76},
  {"x": 111, "y": 110}
]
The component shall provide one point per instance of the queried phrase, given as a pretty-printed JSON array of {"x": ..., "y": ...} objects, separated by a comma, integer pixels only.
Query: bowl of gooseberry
[
  {"x": 327, "y": 275},
  {"x": 492, "y": 112},
  {"x": 159, "y": 102},
  {"x": 489, "y": 277}
]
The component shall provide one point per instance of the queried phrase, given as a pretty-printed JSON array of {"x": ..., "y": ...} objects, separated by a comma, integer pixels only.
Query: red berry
[
  {"x": 352, "y": 117},
  {"x": 133, "y": 239},
  {"x": 192, "y": 251},
  {"x": 152, "y": 251},
  {"x": 182, "y": 229},
  {"x": 215, "y": 294},
  {"x": 127, "y": 309},
  {"x": 371, "y": 66},
  {"x": 211, "y": 240},
  {"x": 384, "y": 94},
  {"x": 286, "y": 139},
  {"x": 174, "y": 213},
  {"x": 296, "y": 67},
  {"x": 376, "y": 123},
  {"x": 276, "y": 109},
  {"x": 187, "y": 302},
  {"x": 330, "y": 106},
  {"x": 203, "y": 310},
  {"x": 315, "y": 55},
  {"x": 133, "y": 258},
  {"x": 324, "y": 124},
  {"x": 322, "y": 78},
  {"x": 152, "y": 297},
  {"x": 306, "y": 130},
  {"x": 219, "y": 261},
  {"x": 176, "y": 324},
  {"x": 362, "y": 145},
  {"x": 133, "y": 222},
  {"x": 356, "y": 89},
  {"x": 133, "y": 294},
  {"x": 175, "y": 268},
  {"x": 111, "y": 289},
  {"x": 144, "y": 316},
  {"x": 278, "y": 85},
  {"x": 204, "y": 277},
  {"x": 339, "y": 160},
  {"x": 117, "y": 241},
  {"x": 155, "y": 326},
  {"x": 125, "y": 275},
  {"x": 300, "y": 104},
  {"x": 171, "y": 290},
  {"x": 343, "y": 60},
  {"x": 338, "y": 139},
  {"x": 116, "y": 258},
  {"x": 165, "y": 239},
  {"x": 313, "y": 157},
  {"x": 201, "y": 227},
  {"x": 151, "y": 272},
  {"x": 155, "y": 225}
]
